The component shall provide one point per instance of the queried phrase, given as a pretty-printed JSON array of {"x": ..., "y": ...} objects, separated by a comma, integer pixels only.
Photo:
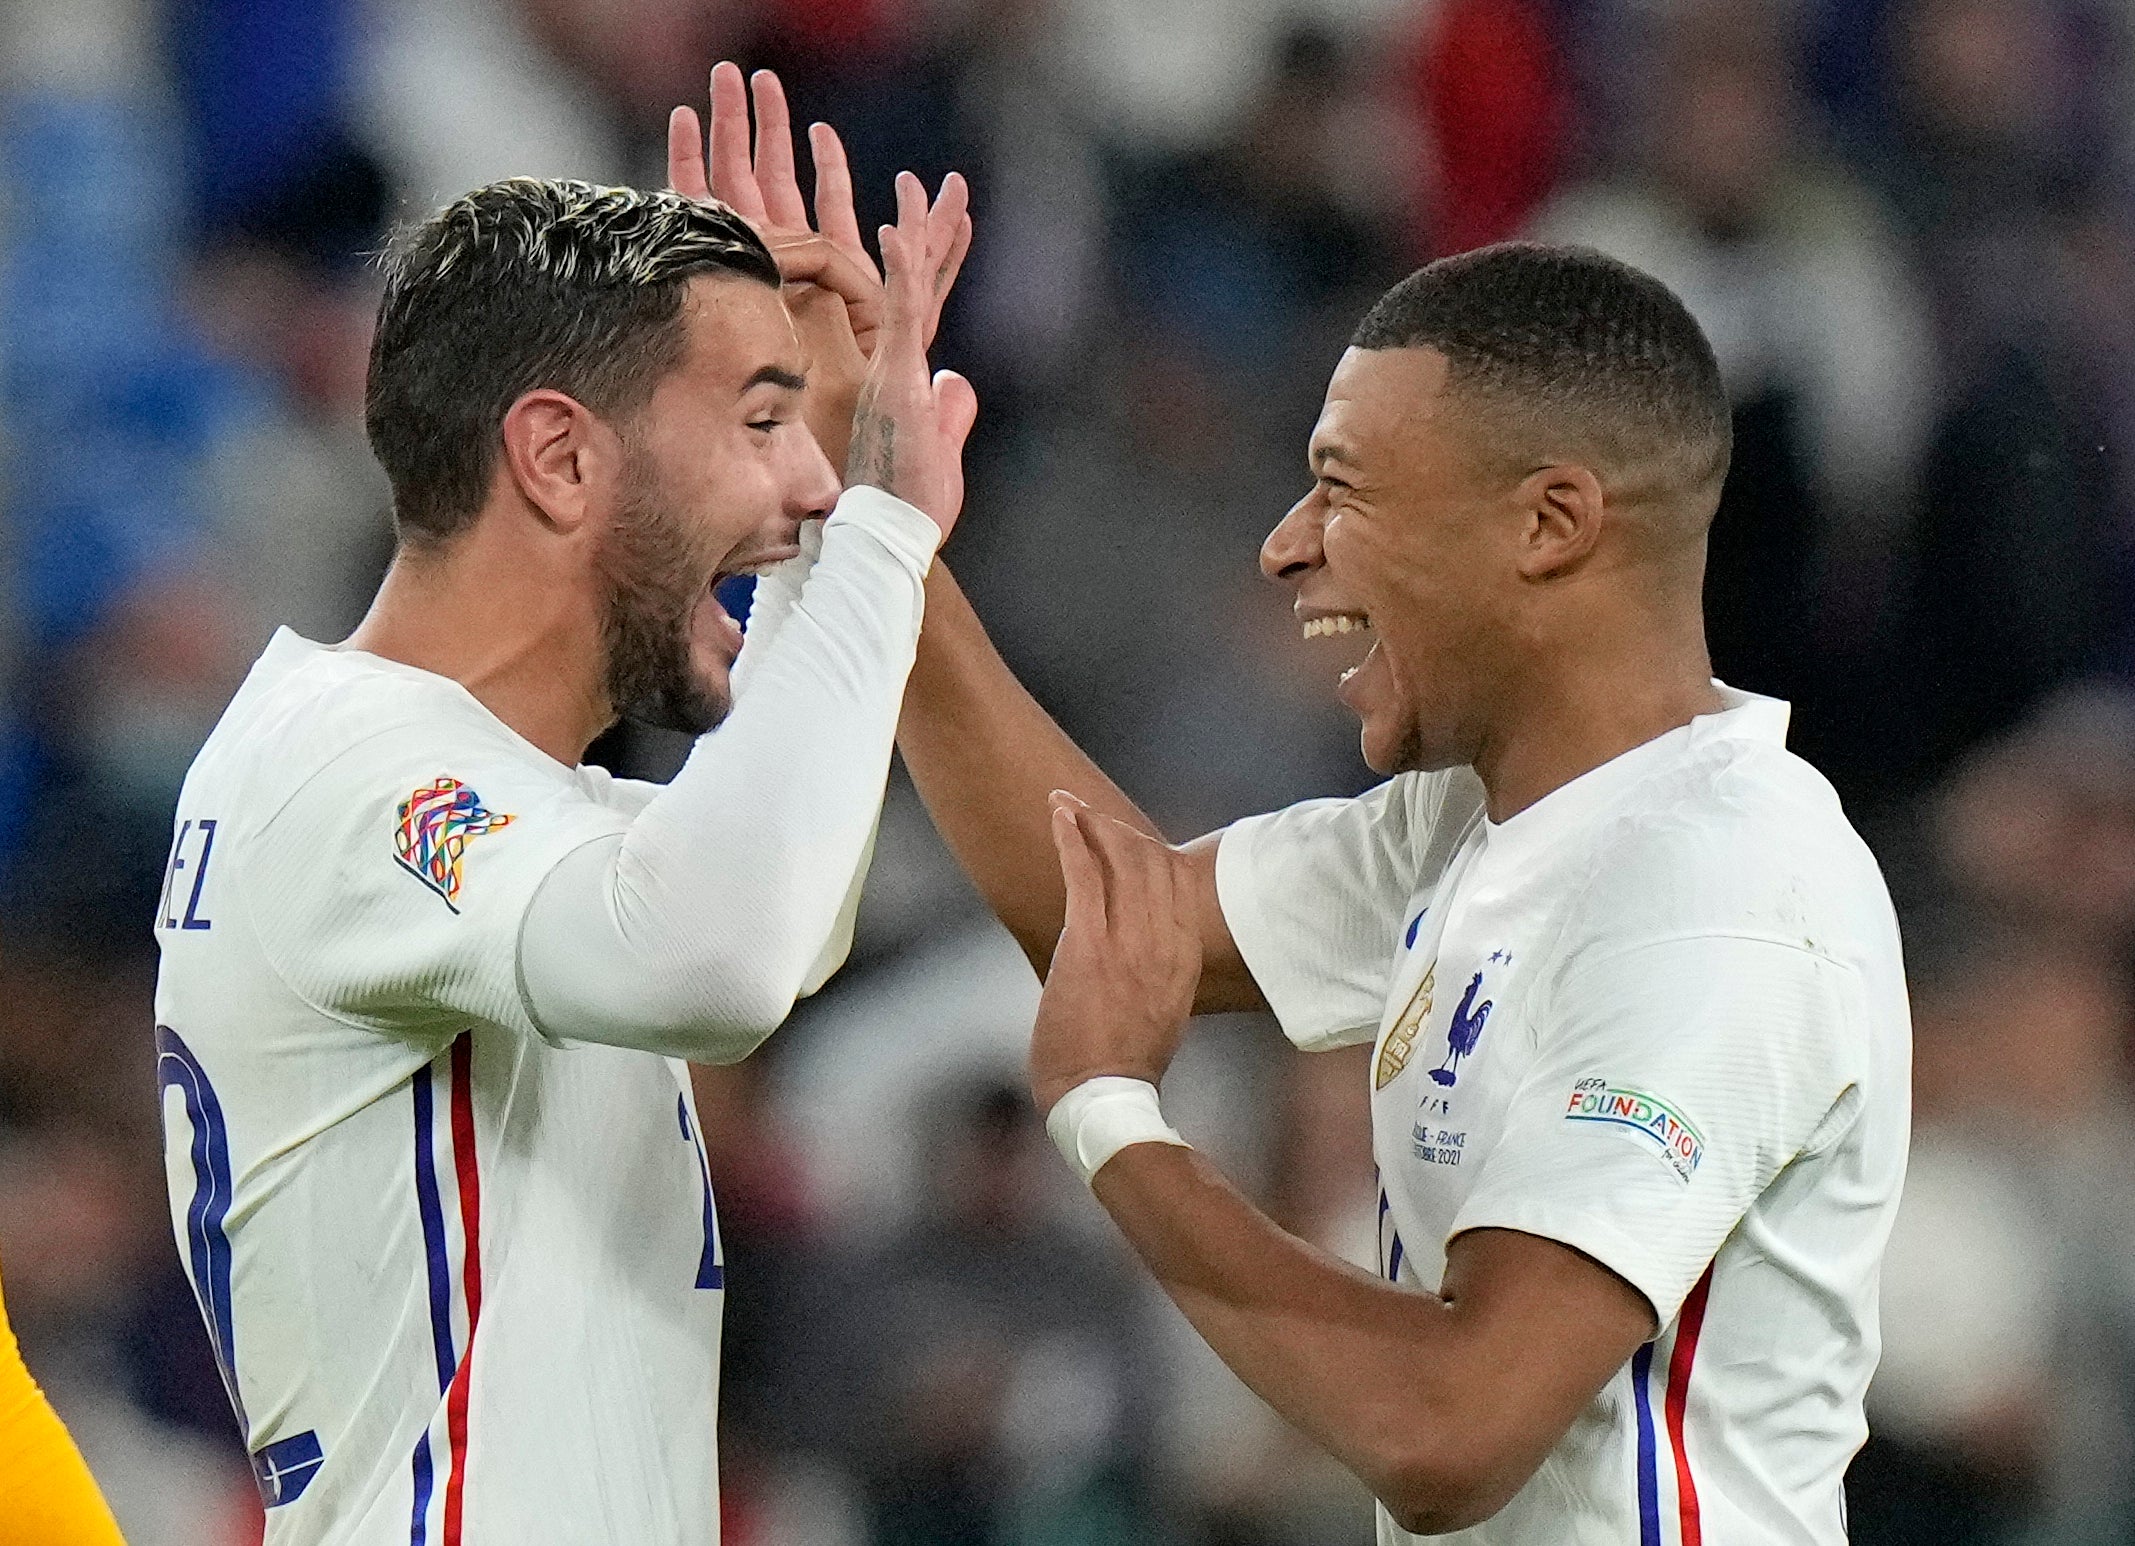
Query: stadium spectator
[
  {"x": 2001, "y": 178},
  {"x": 2039, "y": 825},
  {"x": 1488, "y": 80},
  {"x": 1987, "y": 1424},
  {"x": 1825, "y": 345},
  {"x": 982, "y": 1374}
]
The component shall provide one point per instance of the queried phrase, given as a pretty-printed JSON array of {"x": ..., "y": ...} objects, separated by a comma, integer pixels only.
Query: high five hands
[
  {"x": 1121, "y": 987},
  {"x": 870, "y": 401}
]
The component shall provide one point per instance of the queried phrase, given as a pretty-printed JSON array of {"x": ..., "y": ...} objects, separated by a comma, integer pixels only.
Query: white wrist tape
[{"x": 1100, "y": 1117}]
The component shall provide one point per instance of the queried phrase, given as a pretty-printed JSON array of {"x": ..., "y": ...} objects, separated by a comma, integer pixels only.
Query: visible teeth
[{"x": 1320, "y": 627}]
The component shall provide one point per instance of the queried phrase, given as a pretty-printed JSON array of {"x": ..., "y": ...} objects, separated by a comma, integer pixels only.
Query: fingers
[
  {"x": 816, "y": 260},
  {"x": 948, "y": 240},
  {"x": 1126, "y": 872},
  {"x": 834, "y": 213},
  {"x": 776, "y": 184},
  {"x": 945, "y": 276},
  {"x": 951, "y": 208},
  {"x": 903, "y": 267},
  {"x": 912, "y": 209},
  {"x": 1078, "y": 868},
  {"x": 733, "y": 178},
  {"x": 1141, "y": 874},
  {"x": 685, "y": 155},
  {"x": 956, "y": 408}
]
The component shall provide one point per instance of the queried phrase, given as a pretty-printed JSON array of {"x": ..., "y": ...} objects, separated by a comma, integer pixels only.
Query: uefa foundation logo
[{"x": 1596, "y": 1100}]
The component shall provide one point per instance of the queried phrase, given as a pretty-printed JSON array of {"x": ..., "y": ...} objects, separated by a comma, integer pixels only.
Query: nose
[
  {"x": 812, "y": 484},
  {"x": 1293, "y": 548}
]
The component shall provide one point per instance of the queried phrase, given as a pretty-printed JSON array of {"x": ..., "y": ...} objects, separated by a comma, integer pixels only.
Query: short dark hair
[
  {"x": 529, "y": 283},
  {"x": 1578, "y": 348}
]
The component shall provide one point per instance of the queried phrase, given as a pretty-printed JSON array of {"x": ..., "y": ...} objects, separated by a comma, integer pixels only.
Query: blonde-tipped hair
[{"x": 529, "y": 283}]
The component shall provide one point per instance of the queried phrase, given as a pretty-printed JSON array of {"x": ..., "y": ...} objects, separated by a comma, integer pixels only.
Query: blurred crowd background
[{"x": 1906, "y": 225}]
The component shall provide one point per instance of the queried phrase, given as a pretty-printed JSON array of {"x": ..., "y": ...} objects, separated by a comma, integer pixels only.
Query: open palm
[{"x": 834, "y": 288}]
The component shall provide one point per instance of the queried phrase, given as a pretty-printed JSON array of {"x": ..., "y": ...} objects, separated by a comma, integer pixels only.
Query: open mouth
[
  {"x": 753, "y": 564},
  {"x": 1354, "y": 628},
  {"x": 723, "y": 628}
]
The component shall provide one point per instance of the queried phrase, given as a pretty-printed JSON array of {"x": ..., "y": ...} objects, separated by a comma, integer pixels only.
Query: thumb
[{"x": 956, "y": 407}]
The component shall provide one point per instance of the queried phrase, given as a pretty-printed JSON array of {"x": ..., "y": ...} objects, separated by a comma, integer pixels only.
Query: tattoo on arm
[{"x": 872, "y": 454}]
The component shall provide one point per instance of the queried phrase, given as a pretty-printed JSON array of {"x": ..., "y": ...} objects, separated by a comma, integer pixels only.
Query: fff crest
[{"x": 1401, "y": 1040}]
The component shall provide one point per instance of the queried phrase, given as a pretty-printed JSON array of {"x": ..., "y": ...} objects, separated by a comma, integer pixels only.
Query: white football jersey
[
  {"x": 1658, "y": 1016},
  {"x": 463, "y": 1279}
]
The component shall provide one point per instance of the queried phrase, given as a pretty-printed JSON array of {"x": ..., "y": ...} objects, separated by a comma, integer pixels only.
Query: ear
[
  {"x": 1564, "y": 512},
  {"x": 562, "y": 459}
]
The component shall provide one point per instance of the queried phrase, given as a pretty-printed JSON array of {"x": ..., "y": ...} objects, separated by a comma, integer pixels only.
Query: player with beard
[{"x": 428, "y": 984}]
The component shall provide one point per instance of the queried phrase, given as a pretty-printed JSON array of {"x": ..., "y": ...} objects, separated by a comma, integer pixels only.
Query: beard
[{"x": 655, "y": 582}]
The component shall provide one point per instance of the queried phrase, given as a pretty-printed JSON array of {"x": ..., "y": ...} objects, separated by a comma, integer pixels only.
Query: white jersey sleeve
[
  {"x": 1316, "y": 895},
  {"x": 1676, "y": 1082},
  {"x": 778, "y": 591},
  {"x": 733, "y": 892},
  {"x": 442, "y": 869}
]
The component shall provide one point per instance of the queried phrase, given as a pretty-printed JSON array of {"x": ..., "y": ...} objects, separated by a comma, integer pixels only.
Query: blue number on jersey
[
  {"x": 710, "y": 1274},
  {"x": 284, "y": 1468}
]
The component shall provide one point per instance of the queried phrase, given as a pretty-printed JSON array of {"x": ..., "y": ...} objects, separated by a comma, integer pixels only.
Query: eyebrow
[
  {"x": 1323, "y": 454},
  {"x": 777, "y": 376}
]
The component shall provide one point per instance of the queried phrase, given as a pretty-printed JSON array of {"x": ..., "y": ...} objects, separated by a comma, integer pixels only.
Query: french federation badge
[
  {"x": 437, "y": 823},
  {"x": 1401, "y": 1040}
]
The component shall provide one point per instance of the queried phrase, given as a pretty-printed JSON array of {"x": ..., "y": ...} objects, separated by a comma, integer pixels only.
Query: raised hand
[
  {"x": 1121, "y": 986},
  {"x": 908, "y": 429},
  {"x": 834, "y": 289}
]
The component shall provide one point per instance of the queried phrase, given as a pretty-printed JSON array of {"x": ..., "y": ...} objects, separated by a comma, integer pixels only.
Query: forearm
[
  {"x": 1366, "y": 1369},
  {"x": 693, "y": 932},
  {"x": 984, "y": 756}
]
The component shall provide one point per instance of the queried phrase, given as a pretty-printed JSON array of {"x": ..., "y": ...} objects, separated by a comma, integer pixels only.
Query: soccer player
[
  {"x": 427, "y": 983},
  {"x": 47, "y": 1496},
  {"x": 1640, "y": 1039}
]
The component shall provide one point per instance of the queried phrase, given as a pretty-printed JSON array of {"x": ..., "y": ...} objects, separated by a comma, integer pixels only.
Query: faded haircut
[
  {"x": 525, "y": 284},
  {"x": 1570, "y": 354}
]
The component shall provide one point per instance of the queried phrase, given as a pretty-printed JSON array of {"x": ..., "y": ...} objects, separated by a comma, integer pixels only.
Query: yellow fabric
[{"x": 47, "y": 1497}]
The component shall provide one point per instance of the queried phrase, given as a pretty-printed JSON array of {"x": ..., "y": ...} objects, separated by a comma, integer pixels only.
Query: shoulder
[
  {"x": 354, "y": 731},
  {"x": 1401, "y": 814},
  {"x": 1738, "y": 839}
]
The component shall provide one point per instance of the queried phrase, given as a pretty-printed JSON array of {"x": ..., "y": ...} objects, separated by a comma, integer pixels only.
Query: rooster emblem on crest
[{"x": 1464, "y": 1032}]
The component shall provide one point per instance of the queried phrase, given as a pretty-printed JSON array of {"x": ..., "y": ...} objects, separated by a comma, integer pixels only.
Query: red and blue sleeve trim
[
  {"x": 1674, "y": 1405},
  {"x": 454, "y": 1371}
]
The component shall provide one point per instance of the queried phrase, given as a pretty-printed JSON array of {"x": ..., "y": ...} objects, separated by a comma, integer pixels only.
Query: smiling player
[
  {"x": 426, "y": 981},
  {"x": 1640, "y": 1068}
]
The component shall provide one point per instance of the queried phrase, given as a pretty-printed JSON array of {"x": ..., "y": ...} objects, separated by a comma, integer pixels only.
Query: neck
[
  {"x": 1590, "y": 700},
  {"x": 507, "y": 621}
]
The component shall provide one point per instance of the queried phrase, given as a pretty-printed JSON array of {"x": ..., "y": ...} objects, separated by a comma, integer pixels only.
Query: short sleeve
[
  {"x": 1314, "y": 895},
  {"x": 1674, "y": 1081},
  {"x": 390, "y": 888}
]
